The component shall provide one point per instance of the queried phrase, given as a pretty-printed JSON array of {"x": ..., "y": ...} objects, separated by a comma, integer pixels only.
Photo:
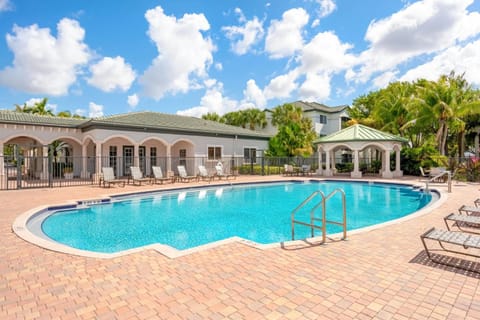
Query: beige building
[{"x": 141, "y": 139}]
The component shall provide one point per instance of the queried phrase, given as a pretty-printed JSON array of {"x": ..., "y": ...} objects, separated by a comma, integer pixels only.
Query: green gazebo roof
[{"x": 359, "y": 132}]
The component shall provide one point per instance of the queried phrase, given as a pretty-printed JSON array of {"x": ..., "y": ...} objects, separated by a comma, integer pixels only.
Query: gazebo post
[
  {"x": 328, "y": 170},
  {"x": 356, "y": 173},
  {"x": 320, "y": 164},
  {"x": 398, "y": 172},
  {"x": 386, "y": 165}
]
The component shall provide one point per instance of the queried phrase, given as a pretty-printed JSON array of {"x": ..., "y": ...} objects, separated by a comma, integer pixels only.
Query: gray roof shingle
[{"x": 145, "y": 120}]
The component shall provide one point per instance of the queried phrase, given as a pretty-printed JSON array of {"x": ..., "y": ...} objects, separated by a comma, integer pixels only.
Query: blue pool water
[{"x": 260, "y": 212}]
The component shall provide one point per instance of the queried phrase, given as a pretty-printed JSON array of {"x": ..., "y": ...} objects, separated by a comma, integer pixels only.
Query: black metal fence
[{"x": 21, "y": 172}]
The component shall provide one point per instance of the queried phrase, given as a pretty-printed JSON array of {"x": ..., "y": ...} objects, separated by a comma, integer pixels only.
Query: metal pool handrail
[{"x": 324, "y": 221}]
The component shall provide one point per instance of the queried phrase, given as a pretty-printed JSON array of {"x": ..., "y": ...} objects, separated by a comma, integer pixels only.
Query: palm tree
[
  {"x": 285, "y": 113},
  {"x": 213, "y": 116},
  {"x": 443, "y": 104},
  {"x": 39, "y": 108},
  {"x": 255, "y": 117}
]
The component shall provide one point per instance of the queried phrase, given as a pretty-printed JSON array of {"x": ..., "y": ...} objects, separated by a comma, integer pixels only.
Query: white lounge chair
[
  {"x": 289, "y": 170},
  {"x": 158, "y": 175},
  {"x": 183, "y": 176},
  {"x": 108, "y": 178},
  {"x": 137, "y": 176},
  {"x": 203, "y": 173},
  {"x": 466, "y": 223},
  {"x": 469, "y": 210},
  {"x": 221, "y": 174},
  {"x": 452, "y": 242}
]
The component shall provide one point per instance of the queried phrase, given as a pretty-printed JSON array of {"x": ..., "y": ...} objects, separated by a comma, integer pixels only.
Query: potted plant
[{"x": 68, "y": 172}]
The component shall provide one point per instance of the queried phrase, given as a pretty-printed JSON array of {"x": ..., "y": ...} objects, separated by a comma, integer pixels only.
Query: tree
[
  {"x": 39, "y": 108},
  {"x": 251, "y": 118},
  {"x": 213, "y": 116},
  {"x": 442, "y": 105},
  {"x": 295, "y": 134},
  {"x": 254, "y": 118}
]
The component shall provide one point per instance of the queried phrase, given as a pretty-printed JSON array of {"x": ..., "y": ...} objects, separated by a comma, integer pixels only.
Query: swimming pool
[{"x": 188, "y": 218}]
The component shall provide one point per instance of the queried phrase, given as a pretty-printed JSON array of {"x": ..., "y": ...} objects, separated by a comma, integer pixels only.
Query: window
[
  {"x": 250, "y": 155},
  {"x": 113, "y": 158},
  {"x": 182, "y": 153},
  {"x": 323, "y": 118},
  {"x": 153, "y": 156},
  {"x": 214, "y": 153}
]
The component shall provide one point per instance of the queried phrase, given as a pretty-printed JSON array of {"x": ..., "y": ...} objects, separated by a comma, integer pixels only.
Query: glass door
[{"x": 127, "y": 159}]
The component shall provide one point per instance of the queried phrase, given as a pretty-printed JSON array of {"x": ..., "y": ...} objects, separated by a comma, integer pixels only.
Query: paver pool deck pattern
[{"x": 380, "y": 274}]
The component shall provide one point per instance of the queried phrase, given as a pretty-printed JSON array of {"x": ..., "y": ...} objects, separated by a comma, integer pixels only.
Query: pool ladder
[{"x": 312, "y": 224}]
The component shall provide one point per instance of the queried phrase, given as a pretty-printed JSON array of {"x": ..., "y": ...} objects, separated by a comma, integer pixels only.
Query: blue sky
[{"x": 192, "y": 57}]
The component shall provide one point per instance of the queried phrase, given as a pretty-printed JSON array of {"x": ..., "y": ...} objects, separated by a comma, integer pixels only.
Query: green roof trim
[{"x": 359, "y": 132}]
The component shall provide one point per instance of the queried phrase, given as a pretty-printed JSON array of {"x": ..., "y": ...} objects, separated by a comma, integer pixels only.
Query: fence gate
[
  {"x": 26, "y": 171},
  {"x": 25, "y": 167}
]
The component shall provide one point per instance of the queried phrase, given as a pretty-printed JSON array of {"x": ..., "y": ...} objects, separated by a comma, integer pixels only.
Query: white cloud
[
  {"x": 281, "y": 86},
  {"x": 45, "y": 64},
  {"x": 5, "y": 5},
  {"x": 284, "y": 36},
  {"x": 112, "y": 73},
  {"x": 218, "y": 66},
  {"x": 80, "y": 112},
  {"x": 424, "y": 27},
  {"x": 184, "y": 53},
  {"x": 245, "y": 36},
  {"x": 384, "y": 79},
  {"x": 316, "y": 87},
  {"x": 461, "y": 59},
  {"x": 212, "y": 101},
  {"x": 325, "y": 52},
  {"x": 133, "y": 100},
  {"x": 326, "y": 7},
  {"x": 95, "y": 110},
  {"x": 253, "y": 96}
]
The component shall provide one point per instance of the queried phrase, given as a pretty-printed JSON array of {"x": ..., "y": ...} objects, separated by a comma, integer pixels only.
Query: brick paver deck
[{"x": 381, "y": 274}]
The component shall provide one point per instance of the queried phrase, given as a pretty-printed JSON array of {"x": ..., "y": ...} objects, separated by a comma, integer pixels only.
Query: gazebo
[{"x": 360, "y": 139}]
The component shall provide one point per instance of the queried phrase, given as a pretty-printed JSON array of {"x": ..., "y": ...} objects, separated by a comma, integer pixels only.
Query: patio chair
[
  {"x": 204, "y": 175},
  {"x": 469, "y": 210},
  {"x": 307, "y": 170},
  {"x": 109, "y": 178},
  {"x": 183, "y": 176},
  {"x": 159, "y": 177},
  {"x": 288, "y": 170},
  {"x": 463, "y": 222},
  {"x": 137, "y": 176},
  {"x": 424, "y": 173},
  {"x": 221, "y": 174},
  {"x": 458, "y": 242}
]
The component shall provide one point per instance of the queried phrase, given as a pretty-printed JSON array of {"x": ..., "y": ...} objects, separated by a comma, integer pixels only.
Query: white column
[
  {"x": 3, "y": 178},
  {"x": 44, "y": 173},
  {"x": 356, "y": 173},
  {"x": 398, "y": 172},
  {"x": 169, "y": 161},
  {"x": 136, "y": 155},
  {"x": 84, "y": 173},
  {"x": 2, "y": 161},
  {"x": 386, "y": 165},
  {"x": 320, "y": 164},
  {"x": 98, "y": 161},
  {"x": 328, "y": 169}
]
